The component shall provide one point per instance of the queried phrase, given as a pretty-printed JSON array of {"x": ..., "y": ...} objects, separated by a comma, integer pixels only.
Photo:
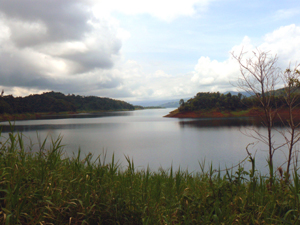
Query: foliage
[
  {"x": 138, "y": 107},
  {"x": 58, "y": 102},
  {"x": 44, "y": 187},
  {"x": 214, "y": 100}
]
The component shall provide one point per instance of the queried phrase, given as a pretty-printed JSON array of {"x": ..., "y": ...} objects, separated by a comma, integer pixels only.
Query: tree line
[
  {"x": 59, "y": 102},
  {"x": 213, "y": 100},
  {"x": 223, "y": 102}
]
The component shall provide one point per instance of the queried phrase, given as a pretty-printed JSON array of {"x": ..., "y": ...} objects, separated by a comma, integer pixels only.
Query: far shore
[
  {"x": 32, "y": 116},
  {"x": 215, "y": 113}
]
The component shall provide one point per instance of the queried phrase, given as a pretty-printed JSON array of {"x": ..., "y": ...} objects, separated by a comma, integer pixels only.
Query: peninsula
[{"x": 217, "y": 105}]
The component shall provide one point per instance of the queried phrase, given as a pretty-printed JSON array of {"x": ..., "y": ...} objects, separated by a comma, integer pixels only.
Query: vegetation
[
  {"x": 44, "y": 187},
  {"x": 138, "y": 107},
  {"x": 259, "y": 77},
  {"x": 58, "y": 102},
  {"x": 153, "y": 107},
  {"x": 207, "y": 101},
  {"x": 234, "y": 103}
]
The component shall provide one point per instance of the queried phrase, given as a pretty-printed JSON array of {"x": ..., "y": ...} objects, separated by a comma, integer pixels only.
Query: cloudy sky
[{"x": 138, "y": 50}]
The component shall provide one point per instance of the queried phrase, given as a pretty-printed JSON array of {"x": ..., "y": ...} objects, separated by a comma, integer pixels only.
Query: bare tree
[
  {"x": 259, "y": 76},
  {"x": 291, "y": 96}
]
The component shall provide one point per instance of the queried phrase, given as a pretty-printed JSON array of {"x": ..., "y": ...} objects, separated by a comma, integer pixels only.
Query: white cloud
[
  {"x": 4, "y": 32},
  {"x": 76, "y": 51},
  {"x": 161, "y": 73},
  {"x": 212, "y": 75},
  {"x": 63, "y": 46},
  {"x": 129, "y": 80},
  {"x": 18, "y": 91},
  {"x": 284, "y": 42}
]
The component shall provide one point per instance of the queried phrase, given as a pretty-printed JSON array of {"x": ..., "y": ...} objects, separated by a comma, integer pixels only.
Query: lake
[{"x": 152, "y": 140}]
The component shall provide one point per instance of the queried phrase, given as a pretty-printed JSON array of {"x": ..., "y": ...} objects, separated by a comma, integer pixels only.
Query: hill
[
  {"x": 58, "y": 102},
  {"x": 173, "y": 103},
  {"x": 214, "y": 100},
  {"x": 244, "y": 93},
  {"x": 215, "y": 104}
]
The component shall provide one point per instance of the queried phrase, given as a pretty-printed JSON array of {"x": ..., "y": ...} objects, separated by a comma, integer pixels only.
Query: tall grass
[{"x": 44, "y": 187}]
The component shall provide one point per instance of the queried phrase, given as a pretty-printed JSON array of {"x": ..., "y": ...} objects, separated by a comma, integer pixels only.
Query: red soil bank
[{"x": 284, "y": 113}]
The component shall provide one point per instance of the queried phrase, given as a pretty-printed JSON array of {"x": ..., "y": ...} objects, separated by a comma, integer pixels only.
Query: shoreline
[
  {"x": 34, "y": 116},
  {"x": 253, "y": 112}
]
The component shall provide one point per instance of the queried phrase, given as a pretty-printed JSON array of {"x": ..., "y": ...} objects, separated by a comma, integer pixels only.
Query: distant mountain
[
  {"x": 277, "y": 92},
  {"x": 236, "y": 93},
  {"x": 281, "y": 91},
  {"x": 160, "y": 103},
  {"x": 148, "y": 103},
  {"x": 174, "y": 104}
]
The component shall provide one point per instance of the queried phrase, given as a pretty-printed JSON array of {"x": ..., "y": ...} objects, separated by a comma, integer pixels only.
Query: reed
[{"x": 45, "y": 187}]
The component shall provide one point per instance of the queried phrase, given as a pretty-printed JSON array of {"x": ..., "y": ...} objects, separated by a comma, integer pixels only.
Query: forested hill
[
  {"x": 58, "y": 102},
  {"x": 207, "y": 100},
  {"x": 229, "y": 102}
]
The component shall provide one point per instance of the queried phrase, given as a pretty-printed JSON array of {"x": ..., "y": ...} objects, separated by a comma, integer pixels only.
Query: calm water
[{"x": 151, "y": 140}]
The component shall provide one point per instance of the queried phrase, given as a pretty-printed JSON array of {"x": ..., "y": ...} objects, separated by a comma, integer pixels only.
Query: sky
[{"x": 139, "y": 50}]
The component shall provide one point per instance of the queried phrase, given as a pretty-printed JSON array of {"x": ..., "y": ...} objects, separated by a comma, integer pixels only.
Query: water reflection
[
  {"x": 149, "y": 138},
  {"x": 47, "y": 127},
  {"x": 221, "y": 122},
  {"x": 227, "y": 122},
  {"x": 86, "y": 115}
]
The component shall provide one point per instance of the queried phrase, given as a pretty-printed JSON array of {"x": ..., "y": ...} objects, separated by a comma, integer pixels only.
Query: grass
[
  {"x": 241, "y": 112},
  {"x": 44, "y": 187}
]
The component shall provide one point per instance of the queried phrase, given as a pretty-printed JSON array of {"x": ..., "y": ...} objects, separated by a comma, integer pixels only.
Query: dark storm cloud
[
  {"x": 56, "y": 45},
  {"x": 65, "y": 20},
  {"x": 19, "y": 72},
  {"x": 14, "y": 71},
  {"x": 96, "y": 57}
]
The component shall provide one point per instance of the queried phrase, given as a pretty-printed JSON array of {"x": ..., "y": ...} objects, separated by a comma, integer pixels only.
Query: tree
[
  {"x": 240, "y": 96},
  {"x": 291, "y": 96},
  {"x": 181, "y": 102},
  {"x": 259, "y": 76},
  {"x": 181, "y": 105}
]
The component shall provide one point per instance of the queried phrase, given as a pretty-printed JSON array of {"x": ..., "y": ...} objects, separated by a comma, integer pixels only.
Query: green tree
[{"x": 181, "y": 102}]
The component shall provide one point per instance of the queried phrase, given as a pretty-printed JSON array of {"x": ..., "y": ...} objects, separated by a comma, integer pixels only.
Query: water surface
[{"x": 152, "y": 140}]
